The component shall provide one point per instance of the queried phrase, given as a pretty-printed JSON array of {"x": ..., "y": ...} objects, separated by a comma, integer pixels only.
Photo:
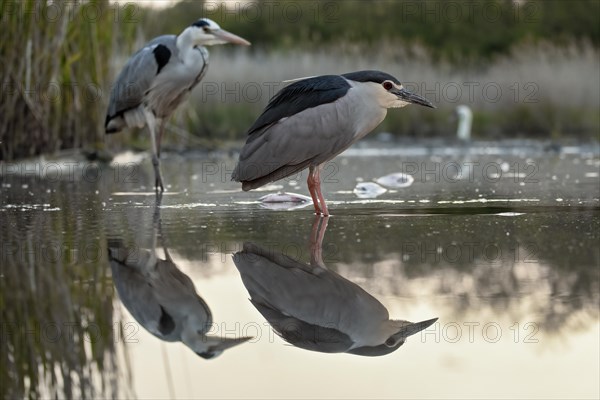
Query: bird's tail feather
[{"x": 276, "y": 175}]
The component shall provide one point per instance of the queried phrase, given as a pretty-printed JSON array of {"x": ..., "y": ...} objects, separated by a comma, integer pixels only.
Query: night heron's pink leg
[
  {"x": 316, "y": 240},
  {"x": 312, "y": 185},
  {"x": 324, "y": 210}
]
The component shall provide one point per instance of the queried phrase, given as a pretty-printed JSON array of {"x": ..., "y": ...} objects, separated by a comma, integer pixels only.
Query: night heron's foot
[{"x": 317, "y": 209}]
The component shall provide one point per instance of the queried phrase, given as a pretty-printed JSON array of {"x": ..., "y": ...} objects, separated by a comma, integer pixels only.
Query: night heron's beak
[
  {"x": 409, "y": 97},
  {"x": 411, "y": 329},
  {"x": 229, "y": 37}
]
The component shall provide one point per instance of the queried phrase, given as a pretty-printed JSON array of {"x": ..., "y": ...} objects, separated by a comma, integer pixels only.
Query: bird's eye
[
  {"x": 390, "y": 342},
  {"x": 205, "y": 29},
  {"x": 387, "y": 85}
]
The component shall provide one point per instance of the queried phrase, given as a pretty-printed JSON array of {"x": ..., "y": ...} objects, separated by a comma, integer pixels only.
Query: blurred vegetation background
[{"x": 527, "y": 68}]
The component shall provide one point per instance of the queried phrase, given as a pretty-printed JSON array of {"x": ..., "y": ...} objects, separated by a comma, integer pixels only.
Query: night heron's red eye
[{"x": 387, "y": 85}]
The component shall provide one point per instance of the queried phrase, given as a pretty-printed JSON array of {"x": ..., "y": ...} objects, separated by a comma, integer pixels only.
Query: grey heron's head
[
  {"x": 385, "y": 89},
  {"x": 206, "y": 32},
  {"x": 401, "y": 330}
]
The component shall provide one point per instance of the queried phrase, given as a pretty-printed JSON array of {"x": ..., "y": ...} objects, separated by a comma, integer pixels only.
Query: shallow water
[{"x": 500, "y": 242}]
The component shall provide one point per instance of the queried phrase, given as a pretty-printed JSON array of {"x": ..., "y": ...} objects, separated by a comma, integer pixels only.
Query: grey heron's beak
[
  {"x": 409, "y": 97},
  {"x": 229, "y": 37},
  {"x": 213, "y": 346}
]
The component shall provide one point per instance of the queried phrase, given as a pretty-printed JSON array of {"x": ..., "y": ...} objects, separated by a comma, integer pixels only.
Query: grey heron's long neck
[{"x": 188, "y": 53}]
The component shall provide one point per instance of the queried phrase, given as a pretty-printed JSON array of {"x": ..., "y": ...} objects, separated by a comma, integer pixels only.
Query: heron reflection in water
[
  {"x": 314, "y": 308},
  {"x": 163, "y": 299}
]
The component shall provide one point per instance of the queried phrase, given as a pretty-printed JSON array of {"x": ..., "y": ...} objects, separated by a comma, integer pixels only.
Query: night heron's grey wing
[
  {"x": 375, "y": 351},
  {"x": 302, "y": 334},
  {"x": 299, "y": 96},
  {"x": 289, "y": 134},
  {"x": 137, "y": 77},
  {"x": 311, "y": 294}
]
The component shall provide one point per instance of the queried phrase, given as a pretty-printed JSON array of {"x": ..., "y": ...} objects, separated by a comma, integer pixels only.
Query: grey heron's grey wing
[
  {"x": 137, "y": 75},
  {"x": 303, "y": 334},
  {"x": 176, "y": 292},
  {"x": 298, "y": 97},
  {"x": 137, "y": 294}
]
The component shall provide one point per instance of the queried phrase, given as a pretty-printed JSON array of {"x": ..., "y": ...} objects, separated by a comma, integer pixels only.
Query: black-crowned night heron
[
  {"x": 163, "y": 299},
  {"x": 316, "y": 309},
  {"x": 311, "y": 121},
  {"x": 159, "y": 77}
]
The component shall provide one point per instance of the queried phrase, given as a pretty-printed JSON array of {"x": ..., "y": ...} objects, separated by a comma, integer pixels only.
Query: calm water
[{"x": 500, "y": 242}]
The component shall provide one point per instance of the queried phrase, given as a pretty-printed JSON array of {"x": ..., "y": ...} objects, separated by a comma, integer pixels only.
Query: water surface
[{"x": 500, "y": 242}]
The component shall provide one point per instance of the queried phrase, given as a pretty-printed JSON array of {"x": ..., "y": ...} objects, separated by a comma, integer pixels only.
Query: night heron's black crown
[{"x": 370, "y": 76}]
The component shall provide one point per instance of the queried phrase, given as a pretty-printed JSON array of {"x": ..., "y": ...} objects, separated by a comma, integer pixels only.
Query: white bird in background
[
  {"x": 465, "y": 119},
  {"x": 159, "y": 77}
]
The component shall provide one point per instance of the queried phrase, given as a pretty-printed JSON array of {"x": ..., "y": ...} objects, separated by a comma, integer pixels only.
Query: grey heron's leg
[
  {"x": 161, "y": 130},
  {"x": 324, "y": 210},
  {"x": 151, "y": 120},
  {"x": 158, "y": 226},
  {"x": 316, "y": 241},
  {"x": 312, "y": 188},
  {"x": 152, "y": 261}
]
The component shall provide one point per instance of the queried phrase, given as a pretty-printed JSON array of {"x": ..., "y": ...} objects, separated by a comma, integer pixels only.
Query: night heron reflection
[
  {"x": 316, "y": 309},
  {"x": 159, "y": 77},
  {"x": 311, "y": 121},
  {"x": 163, "y": 299}
]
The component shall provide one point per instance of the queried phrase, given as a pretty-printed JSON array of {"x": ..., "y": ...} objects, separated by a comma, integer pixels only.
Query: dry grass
[
  {"x": 538, "y": 91},
  {"x": 56, "y": 80}
]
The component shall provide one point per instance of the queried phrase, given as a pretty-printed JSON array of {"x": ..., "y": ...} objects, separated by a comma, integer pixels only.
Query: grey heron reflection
[
  {"x": 161, "y": 298},
  {"x": 316, "y": 309}
]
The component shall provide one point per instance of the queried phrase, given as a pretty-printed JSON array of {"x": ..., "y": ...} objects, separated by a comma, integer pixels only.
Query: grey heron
[
  {"x": 159, "y": 77},
  {"x": 311, "y": 121},
  {"x": 316, "y": 309},
  {"x": 163, "y": 299}
]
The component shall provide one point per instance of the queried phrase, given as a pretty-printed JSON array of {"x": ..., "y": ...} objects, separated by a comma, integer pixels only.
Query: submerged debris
[
  {"x": 284, "y": 197},
  {"x": 396, "y": 180},
  {"x": 368, "y": 190},
  {"x": 284, "y": 201}
]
